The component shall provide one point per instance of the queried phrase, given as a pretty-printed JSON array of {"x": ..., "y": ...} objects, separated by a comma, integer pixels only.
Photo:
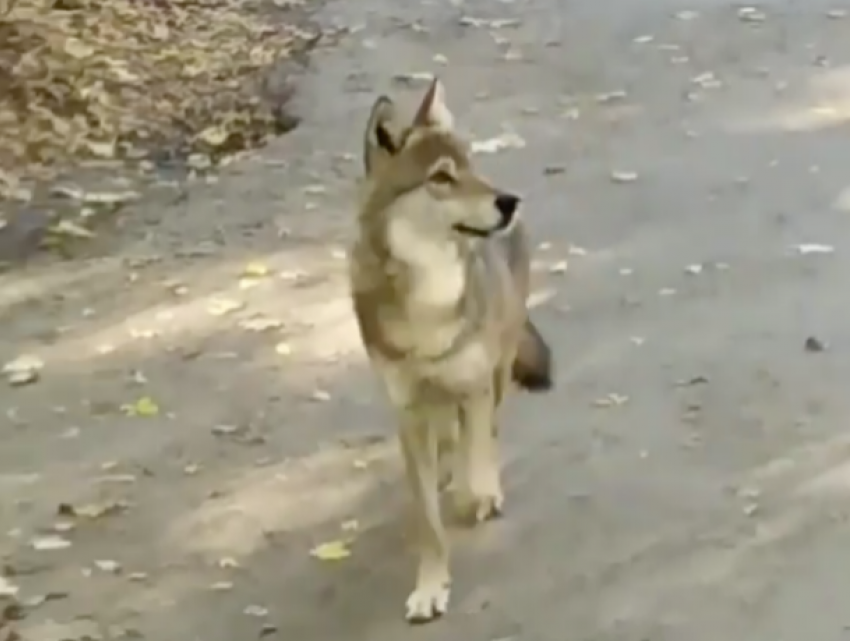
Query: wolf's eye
[{"x": 442, "y": 177}]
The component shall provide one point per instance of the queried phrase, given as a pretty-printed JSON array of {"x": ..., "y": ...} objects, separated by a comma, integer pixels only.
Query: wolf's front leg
[
  {"x": 447, "y": 448},
  {"x": 420, "y": 441},
  {"x": 477, "y": 487}
]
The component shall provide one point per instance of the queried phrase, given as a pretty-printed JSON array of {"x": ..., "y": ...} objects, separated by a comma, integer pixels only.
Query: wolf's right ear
[
  {"x": 379, "y": 142},
  {"x": 433, "y": 111}
]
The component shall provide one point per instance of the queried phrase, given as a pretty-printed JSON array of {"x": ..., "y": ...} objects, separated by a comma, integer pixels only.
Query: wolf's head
[{"x": 421, "y": 175}]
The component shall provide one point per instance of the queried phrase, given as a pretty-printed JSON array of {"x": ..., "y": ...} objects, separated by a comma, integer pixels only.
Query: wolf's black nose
[{"x": 507, "y": 204}]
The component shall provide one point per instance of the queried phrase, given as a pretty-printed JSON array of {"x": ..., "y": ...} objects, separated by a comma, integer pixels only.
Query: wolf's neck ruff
[{"x": 432, "y": 259}]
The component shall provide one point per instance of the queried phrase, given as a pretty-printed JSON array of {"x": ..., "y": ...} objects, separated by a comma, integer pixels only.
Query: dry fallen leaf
[
  {"x": 143, "y": 407},
  {"x": 611, "y": 400},
  {"x": 320, "y": 395},
  {"x": 814, "y": 248},
  {"x": 260, "y": 324},
  {"x": 70, "y": 229},
  {"x": 23, "y": 369},
  {"x": 315, "y": 190},
  {"x": 107, "y": 565},
  {"x": 507, "y": 140},
  {"x": 63, "y": 526},
  {"x": 92, "y": 510},
  {"x": 214, "y": 136},
  {"x": 222, "y": 586},
  {"x": 624, "y": 176},
  {"x": 256, "y": 611},
  {"x": 331, "y": 551},
  {"x": 610, "y": 96},
  {"x": 224, "y": 306},
  {"x": 7, "y": 588},
  {"x": 37, "y": 600},
  {"x": 51, "y": 542},
  {"x": 227, "y": 430},
  {"x": 255, "y": 270},
  {"x": 751, "y": 14},
  {"x": 413, "y": 79}
]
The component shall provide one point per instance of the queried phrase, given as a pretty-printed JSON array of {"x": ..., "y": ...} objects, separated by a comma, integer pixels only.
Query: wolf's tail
[{"x": 532, "y": 369}]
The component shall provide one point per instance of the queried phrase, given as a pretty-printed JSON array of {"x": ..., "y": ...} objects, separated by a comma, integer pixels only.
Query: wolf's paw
[
  {"x": 428, "y": 601},
  {"x": 445, "y": 472},
  {"x": 476, "y": 506}
]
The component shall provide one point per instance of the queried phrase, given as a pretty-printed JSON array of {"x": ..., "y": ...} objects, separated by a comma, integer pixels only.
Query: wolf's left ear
[
  {"x": 433, "y": 111},
  {"x": 379, "y": 142}
]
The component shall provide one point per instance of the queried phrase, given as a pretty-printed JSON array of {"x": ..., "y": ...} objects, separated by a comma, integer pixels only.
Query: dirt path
[{"x": 706, "y": 498}]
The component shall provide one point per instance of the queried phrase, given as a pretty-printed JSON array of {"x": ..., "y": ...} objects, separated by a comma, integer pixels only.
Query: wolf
[{"x": 440, "y": 275}]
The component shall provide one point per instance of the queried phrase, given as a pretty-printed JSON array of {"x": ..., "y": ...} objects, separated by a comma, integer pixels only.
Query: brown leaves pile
[{"x": 94, "y": 80}]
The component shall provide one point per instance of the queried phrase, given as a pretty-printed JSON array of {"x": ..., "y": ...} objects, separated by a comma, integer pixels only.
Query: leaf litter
[
  {"x": 103, "y": 80},
  {"x": 134, "y": 84}
]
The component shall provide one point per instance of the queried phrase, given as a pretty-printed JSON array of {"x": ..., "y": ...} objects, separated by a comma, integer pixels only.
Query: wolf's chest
[{"x": 464, "y": 370}]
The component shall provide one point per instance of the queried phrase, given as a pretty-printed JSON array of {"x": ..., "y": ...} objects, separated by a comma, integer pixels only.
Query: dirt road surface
[{"x": 203, "y": 385}]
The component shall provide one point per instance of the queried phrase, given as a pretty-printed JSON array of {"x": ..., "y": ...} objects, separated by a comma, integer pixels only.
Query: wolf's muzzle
[{"x": 507, "y": 205}]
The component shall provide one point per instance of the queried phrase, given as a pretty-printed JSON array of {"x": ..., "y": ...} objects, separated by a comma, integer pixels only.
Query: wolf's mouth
[
  {"x": 506, "y": 205},
  {"x": 502, "y": 225},
  {"x": 474, "y": 231}
]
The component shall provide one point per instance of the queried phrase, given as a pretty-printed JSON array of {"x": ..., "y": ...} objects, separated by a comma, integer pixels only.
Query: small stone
[{"x": 814, "y": 345}]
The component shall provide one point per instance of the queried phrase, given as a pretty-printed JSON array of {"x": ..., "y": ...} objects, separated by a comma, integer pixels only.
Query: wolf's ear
[
  {"x": 379, "y": 142},
  {"x": 433, "y": 111}
]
